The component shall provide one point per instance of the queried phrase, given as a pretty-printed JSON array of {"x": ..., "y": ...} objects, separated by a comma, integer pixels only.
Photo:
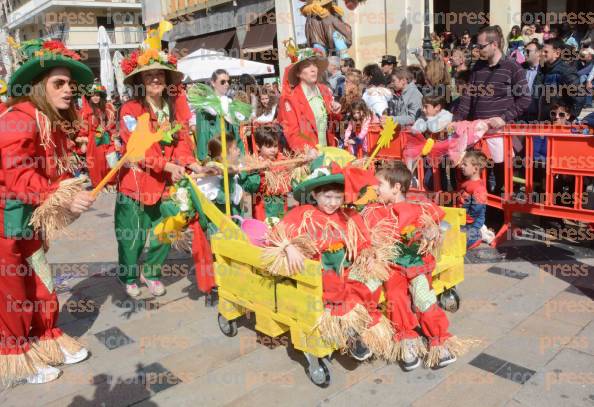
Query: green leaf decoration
[
  {"x": 239, "y": 112},
  {"x": 202, "y": 97},
  {"x": 168, "y": 135}
]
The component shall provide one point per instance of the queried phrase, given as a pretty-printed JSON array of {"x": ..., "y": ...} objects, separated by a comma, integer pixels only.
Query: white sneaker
[
  {"x": 44, "y": 374},
  {"x": 72, "y": 358},
  {"x": 131, "y": 289},
  {"x": 487, "y": 235},
  {"x": 156, "y": 287}
]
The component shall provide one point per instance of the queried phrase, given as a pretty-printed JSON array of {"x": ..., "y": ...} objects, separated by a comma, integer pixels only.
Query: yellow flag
[
  {"x": 336, "y": 155},
  {"x": 153, "y": 40},
  {"x": 164, "y": 26},
  {"x": 12, "y": 43}
]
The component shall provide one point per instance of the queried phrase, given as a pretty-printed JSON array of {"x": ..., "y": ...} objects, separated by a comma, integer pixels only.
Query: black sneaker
[
  {"x": 212, "y": 298},
  {"x": 410, "y": 361},
  {"x": 446, "y": 358},
  {"x": 358, "y": 349},
  {"x": 412, "y": 364}
]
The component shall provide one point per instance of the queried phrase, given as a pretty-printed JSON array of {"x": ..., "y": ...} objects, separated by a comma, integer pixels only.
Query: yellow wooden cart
[{"x": 294, "y": 304}]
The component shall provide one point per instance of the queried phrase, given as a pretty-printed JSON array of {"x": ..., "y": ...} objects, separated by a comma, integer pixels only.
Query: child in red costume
[
  {"x": 99, "y": 125},
  {"x": 352, "y": 270},
  {"x": 472, "y": 196},
  {"x": 417, "y": 225},
  {"x": 38, "y": 196},
  {"x": 270, "y": 201}
]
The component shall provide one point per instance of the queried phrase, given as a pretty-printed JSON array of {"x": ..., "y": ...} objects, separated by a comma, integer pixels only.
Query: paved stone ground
[{"x": 529, "y": 303}]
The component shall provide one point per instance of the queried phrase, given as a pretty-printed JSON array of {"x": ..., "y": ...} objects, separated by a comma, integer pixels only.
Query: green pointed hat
[
  {"x": 324, "y": 170},
  {"x": 39, "y": 57}
]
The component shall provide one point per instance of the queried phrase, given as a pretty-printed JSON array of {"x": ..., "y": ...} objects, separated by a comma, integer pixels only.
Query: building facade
[
  {"x": 397, "y": 26},
  {"x": 242, "y": 29}
]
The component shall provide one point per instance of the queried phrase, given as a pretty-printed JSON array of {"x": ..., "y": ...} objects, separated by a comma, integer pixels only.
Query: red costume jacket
[
  {"x": 329, "y": 235},
  {"x": 96, "y": 162},
  {"x": 405, "y": 215},
  {"x": 32, "y": 164},
  {"x": 259, "y": 198},
  {"x": 146, "y": 181},
  {"x": 298, "y": 121}
]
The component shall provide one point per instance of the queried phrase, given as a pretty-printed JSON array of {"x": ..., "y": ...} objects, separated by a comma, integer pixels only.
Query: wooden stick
[
  {"x": 277, "y": 164},
  {"x": 225, "y": 167},
  {"x": 109, "y": 175}
]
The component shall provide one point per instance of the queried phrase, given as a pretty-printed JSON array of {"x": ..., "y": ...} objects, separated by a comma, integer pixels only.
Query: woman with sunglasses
[
  {"x": 37, "y": 196},
  {"x": 208, "y": 125},
  {"x": 154, "y": 77},
  {"x": 560, "y": 115}
]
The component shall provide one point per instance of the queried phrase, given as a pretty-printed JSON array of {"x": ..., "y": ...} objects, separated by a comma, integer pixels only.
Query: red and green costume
[
  {"x": 35, "y": 187},
  {"x": 34, "y": 175},
  {"x": 270, "y": 189},
  {"x": 410, "y": 300},
  {"x": 141, "y": 189},
  {"x": 99, "y": 127},
  {"x": 352, "y": 271}
]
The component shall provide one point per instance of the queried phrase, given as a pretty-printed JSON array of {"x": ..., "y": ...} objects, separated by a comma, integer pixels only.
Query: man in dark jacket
[
  {"x": 535, "y": 79},
  {"x": 561, "y": 81}
]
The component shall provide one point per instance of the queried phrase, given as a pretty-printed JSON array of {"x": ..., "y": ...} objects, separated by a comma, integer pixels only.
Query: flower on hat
[{"x": 149, "y": 56}]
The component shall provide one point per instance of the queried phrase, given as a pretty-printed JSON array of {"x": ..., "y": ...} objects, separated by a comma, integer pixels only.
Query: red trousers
[
  {"x": 28, "y": 310},
  {"x": 434, "y": 322},
  {"x": 342, "y": 294}
]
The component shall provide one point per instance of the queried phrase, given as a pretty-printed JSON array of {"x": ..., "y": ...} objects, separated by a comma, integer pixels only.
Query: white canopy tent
[{"x": 200, "y": 64}]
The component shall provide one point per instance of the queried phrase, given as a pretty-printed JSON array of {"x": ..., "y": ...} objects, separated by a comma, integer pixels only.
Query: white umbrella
[
  {"x": 106, "y": 66},
  {"x": 119, "y": 74},
  {"x": 201, "y": 63}
]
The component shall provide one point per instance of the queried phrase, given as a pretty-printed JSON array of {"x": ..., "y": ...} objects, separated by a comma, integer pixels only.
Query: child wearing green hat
[{"x": 323, "y": 229}]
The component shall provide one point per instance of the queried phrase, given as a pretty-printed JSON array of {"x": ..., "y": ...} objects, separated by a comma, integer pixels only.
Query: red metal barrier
[{"x": 569, "y": 154}]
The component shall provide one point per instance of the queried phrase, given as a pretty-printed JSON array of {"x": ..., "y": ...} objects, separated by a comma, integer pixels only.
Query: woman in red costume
[{"x": 38, "y": 196}]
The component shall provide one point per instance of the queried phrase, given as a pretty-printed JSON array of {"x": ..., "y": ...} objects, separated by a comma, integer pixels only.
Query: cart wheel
[
  {"x": 319, "y": 373},
  {"x": 449, "y": 300},
  {"x": 229, "y": 328}
]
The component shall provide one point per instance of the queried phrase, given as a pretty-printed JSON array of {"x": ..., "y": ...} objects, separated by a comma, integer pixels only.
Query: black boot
[{"x": 212, "y": 298}]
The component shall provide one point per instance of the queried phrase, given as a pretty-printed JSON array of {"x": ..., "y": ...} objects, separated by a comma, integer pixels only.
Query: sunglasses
[
  {"x": 561, "y": 115},
  {"x": 483, "y": 46},
  {"x": 223, "y": 81}
]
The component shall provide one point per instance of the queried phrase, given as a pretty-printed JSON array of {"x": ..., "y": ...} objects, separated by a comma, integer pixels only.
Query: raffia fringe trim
[
  {"x": 399, "y": 349},
  {"x": 432, "y": 237},
  {"x": 15, "y": 368},
  {"x": 48, "y": 351},
  {"x": 335, "y": 330},
  {"x": 378, "y": 338},
  {"x": 371, "y": 264},
  {"x": 53, "y": 215},
  {"x": 275, "y": 256},
  {"x": 456, "y": 346}
]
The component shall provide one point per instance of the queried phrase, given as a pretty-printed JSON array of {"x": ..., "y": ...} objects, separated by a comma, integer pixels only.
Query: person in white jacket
[{"x": 376, "y": 95}]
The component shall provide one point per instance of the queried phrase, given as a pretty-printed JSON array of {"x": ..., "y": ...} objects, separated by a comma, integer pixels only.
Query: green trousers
[{"x": 133, "y": 224}]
